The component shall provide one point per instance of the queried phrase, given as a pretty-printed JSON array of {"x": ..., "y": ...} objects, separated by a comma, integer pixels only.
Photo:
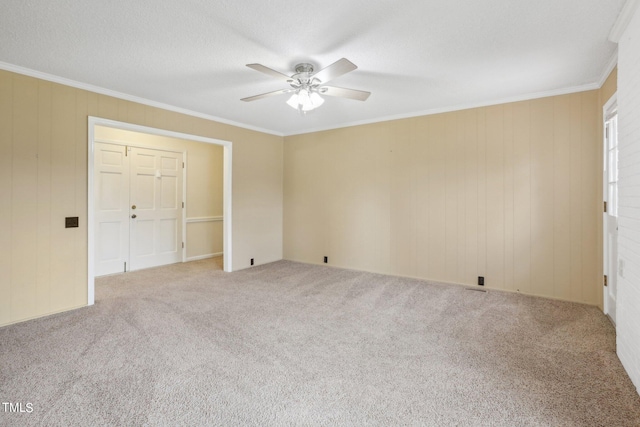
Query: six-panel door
[{"x": 138, "y": 208}]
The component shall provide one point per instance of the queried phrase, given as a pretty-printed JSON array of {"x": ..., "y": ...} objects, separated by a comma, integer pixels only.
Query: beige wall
[
  {"x": 204, "y": 185},
  {"x": 511, "y": 192},
  {"x": 43, "y": 178}
]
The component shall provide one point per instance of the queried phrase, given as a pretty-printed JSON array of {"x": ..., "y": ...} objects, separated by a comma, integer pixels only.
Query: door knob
[
  {"x": 133, "y": 207},
  {"x": 134, "y": 216}
]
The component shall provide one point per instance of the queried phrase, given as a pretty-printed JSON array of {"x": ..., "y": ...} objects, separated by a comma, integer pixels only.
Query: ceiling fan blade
[
  {"x": 270, "y": 72},
  {"x": 358, "y": 95},
  {"x": 338, "y": 68},
  {"x": 266, "y": 95}
]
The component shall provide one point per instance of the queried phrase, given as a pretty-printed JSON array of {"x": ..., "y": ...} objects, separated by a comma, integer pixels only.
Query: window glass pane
[
  {"x": 611, "y": 164},
  {"x": 609, "y": 129},
  {"x": 611, "y": 176}
]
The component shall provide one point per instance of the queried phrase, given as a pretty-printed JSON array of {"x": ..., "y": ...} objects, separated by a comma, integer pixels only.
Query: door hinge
[
  {"x": 605, "y": 206},
  {"x": 126, "y": 150},
  {"x": 125, "y": 266},
  {"x": 182, "y": 165},
  {"x": 182, "y": 205},
  {"x": 605, "y": 280},
  {"x": 182, "y": 245}
]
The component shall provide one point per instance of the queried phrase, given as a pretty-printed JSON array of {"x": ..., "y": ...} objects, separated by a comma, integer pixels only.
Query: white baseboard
[{"x": 205, "y": 256}]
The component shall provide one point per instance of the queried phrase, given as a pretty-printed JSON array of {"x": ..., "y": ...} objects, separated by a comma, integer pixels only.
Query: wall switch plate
[{"x": 71, "y": 222}]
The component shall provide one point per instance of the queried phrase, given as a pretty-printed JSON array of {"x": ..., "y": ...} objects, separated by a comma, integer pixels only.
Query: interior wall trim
[
  {"x": 120, "y": 95},
  {"x": 459, "y": 107},
  {"x": 205, "y": 256},
  {"x": 613, "y": 62},
  {"x": 526, "y": 97},
  {"x": 205, "y": 219},
  {"x": 623, "y": 20}
]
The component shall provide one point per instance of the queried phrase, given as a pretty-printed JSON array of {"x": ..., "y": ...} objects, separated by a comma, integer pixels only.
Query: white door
[
  {"x": 138, "y": 208},
  {"x": 156, "y": 208},
  {"x": 610, "y": 223},
  {"x": 111, "y": 187}
]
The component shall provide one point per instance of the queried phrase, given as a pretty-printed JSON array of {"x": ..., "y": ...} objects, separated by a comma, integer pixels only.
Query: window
[{"x": 611, "y": 163}]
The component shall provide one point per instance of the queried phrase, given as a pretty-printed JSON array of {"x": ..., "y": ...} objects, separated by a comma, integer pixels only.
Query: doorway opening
[
  {"x": 168, "y": 226},
  {"x": 610, "y": 215}
]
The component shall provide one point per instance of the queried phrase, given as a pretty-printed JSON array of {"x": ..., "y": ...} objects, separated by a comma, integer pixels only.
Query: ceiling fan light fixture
[
  {"x": 316, "y": 99},
  {"x": 305, "y": 100},
  {"x": 293, "y": 101}
]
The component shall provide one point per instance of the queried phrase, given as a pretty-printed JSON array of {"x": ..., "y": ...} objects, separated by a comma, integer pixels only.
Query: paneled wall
[
  {"x": 509, "y": 192},
  {"x": 43, "y": 179},
  {"x": 204, "y": 196},
  {"x": 628, "y": 298}
]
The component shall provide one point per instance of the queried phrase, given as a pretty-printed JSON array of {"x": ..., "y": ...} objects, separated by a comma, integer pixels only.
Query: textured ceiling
[{"x": 414, "y": 56}]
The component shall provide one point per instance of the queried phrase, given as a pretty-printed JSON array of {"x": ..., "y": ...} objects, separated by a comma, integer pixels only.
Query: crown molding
[
  {"x": 459, "y": 107},
  {"x": 625, "y": 16},
  {"x": 97, "y": 89},
  {"x": 613, "y": 61}
]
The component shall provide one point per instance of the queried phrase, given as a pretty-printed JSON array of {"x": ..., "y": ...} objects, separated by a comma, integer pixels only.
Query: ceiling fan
[{"x": 307, "y": 86}]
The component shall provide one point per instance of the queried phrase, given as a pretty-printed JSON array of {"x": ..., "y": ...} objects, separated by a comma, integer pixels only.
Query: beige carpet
[{"x": 293, "y": 344}]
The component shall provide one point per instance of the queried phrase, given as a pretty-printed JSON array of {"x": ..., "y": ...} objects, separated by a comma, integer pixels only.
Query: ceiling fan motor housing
[
  {"x": 304, "y": 68},
  {"x": 303, "y": 73}
]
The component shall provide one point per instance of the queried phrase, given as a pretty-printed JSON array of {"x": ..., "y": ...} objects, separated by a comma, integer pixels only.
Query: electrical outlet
[
  {"x": 251, "y": 261},
  {"x": 326, "y": 259},
  {"x": 480, "y": 280}
]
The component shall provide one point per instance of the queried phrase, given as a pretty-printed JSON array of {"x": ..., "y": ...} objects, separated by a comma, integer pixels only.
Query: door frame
[
  {"x": 607, "y": 109},
  {"x": 226, "y": 190}
]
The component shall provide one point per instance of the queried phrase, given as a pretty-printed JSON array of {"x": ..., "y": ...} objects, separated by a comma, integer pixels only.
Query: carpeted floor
[{"x": 294, "y": 344}]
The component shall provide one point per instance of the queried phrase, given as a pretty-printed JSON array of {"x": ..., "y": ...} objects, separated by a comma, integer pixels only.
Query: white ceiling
[{"x": 414, "y": 56}]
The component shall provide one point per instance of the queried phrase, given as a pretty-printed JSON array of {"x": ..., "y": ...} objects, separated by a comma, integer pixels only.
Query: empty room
[{"x": 320, "y": 213}]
